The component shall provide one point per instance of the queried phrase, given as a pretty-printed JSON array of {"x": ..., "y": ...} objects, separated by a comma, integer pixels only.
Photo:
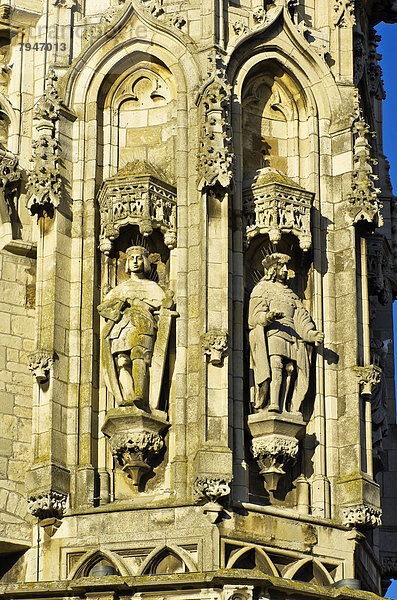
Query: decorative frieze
[
  {"x": 362, "y": 516},
  {"x": 215, "y": 344},
  {"x": 48, "y": 504},
  {"x": 215, "y": 157},
  {"x": 363, "y": 201},
  {"x": 137, "y": 196},
  {"x": 40, "y": 363},
  {"x": 273, "y": 204}
]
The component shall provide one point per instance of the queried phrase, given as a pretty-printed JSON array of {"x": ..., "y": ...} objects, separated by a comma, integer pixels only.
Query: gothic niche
[
  {"x": 277, "y": 227},
  {"x": 138, "y": 310}
]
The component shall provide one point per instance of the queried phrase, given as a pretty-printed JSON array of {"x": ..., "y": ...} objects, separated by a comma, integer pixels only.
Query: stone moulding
[
  {"x": 40, "y": 363},
  {"x": 135, "y": 439},
  {"x": 47, "y": 504},
  {"x": 137, "y": 199},
  {"x": 275, "y": 444},
  {"x": 362, "y": 516},
  {"x": 274, "y": 204},
  {"x": 215, "y": 344}
]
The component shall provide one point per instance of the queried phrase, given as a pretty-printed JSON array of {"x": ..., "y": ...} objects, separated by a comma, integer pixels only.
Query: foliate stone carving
[
  {"x": 211, "y": 488},
  {"x": 137, "y": 196},
  {"x": 155, "y": 7},
  {"x": 369, "y": 377},
  {"x": 274, "y": 453},
  {"x": 133, "y": 451},
  {"x": 363, "y": 201},
  {"x": 50, "y": 102},
  {"x": 48, "y": 504},
  {"x": 215, "y": 344},
  {"x": 135, "y": 439},
  {"x": 44, "y": 181},
  {"x": 239, "y": 27},
  {"x": 273, "y": 204},
  {"x": 40, "y": 363},
  {"x": 138, "y": 317},
  {"x": 65, "y": 3},
  {"x": 215, "y": 157},
  {"x": 93, "y": 31},
  {"x": 362, "y": 516},
  {"x": 374, "y": 70},
  {"x": 282, "y": 335},
  {"x": 344, "y": 13}
]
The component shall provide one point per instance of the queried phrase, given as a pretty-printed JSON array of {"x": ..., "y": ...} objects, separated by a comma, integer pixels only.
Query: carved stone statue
[
  {"x": 132, "y": 311},
  {"x": 281, "y": 337}
]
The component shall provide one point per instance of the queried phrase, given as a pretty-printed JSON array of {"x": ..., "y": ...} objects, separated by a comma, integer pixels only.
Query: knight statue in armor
[
  {"x": 131, "y": 311},
  {"x": 282, "y": 335}
]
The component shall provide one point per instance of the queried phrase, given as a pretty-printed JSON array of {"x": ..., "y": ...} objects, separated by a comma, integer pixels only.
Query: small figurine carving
[
  {"x": 132, "y": 312},
  {"x": 281, "y": 337}
]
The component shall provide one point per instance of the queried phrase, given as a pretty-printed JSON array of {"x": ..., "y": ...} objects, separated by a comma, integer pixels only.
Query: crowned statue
[
  {"x": 133, "y": 311},
  {"x": 282, "y": 335}
]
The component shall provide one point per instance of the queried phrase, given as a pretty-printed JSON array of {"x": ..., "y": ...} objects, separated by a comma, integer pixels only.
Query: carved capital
[
  {"x": 274, "y": 453},
  {"x": 47, "y": 504},
  {"x": 211, "y": 488},
  {"x": 362, "y": 516},
  {"x": 40, "y": 363},
  {"x": 215, "y": 345},
  {"x": 368, "y": 377},
  {"x": 133, "y": 450}
]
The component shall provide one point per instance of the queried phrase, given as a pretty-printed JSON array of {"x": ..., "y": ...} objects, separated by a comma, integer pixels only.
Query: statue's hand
[
  {"x": 317, "y": 337},
  {"x": 268, "y": 317}
]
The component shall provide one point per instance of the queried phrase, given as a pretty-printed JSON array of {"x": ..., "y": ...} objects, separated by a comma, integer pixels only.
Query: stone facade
[{"x": 197, "y": 264}]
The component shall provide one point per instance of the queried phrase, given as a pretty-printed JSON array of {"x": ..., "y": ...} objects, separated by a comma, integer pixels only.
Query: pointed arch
[
  {"x": 161, "y": 552},
  {"x": 92, "y": 557},
  {"x": 260, "y": 560},
  {"x": 309, "y": 570}
]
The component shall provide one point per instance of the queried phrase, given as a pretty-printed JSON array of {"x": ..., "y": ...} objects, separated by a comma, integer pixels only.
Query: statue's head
[
  {"x": 137, "y": 260},
  {"x": 275, "y": 267}
]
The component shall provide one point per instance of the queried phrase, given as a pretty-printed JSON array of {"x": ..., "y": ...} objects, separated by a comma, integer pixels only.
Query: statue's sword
[{"x": 159, "y": 355}]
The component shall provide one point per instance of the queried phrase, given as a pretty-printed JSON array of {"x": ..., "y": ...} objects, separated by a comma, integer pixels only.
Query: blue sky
[{"x": 388, "y": 49}]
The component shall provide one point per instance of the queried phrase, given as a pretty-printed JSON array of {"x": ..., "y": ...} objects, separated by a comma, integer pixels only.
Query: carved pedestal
[
  {"x": 135, "y": 438},
  {"x": 275, "y": 443}
]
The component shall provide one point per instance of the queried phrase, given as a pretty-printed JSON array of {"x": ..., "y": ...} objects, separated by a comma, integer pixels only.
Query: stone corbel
[
  {"x": 46, "y": 505},
  {"x": 211, "y": 488},
  {"x": 369, "y": 378},
  {"x": 362, "y": 516},
  {"x": 40, "y": 363},
  {"x": 275, "y": 444},
  {"x": 135, "y": 439},
  {"x": 215, "y": 345}
]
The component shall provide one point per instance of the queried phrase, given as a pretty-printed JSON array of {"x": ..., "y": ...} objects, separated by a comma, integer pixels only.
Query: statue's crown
[
  {"x": 275, "y": 258},
  {"x": 132, "y": 249}
]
